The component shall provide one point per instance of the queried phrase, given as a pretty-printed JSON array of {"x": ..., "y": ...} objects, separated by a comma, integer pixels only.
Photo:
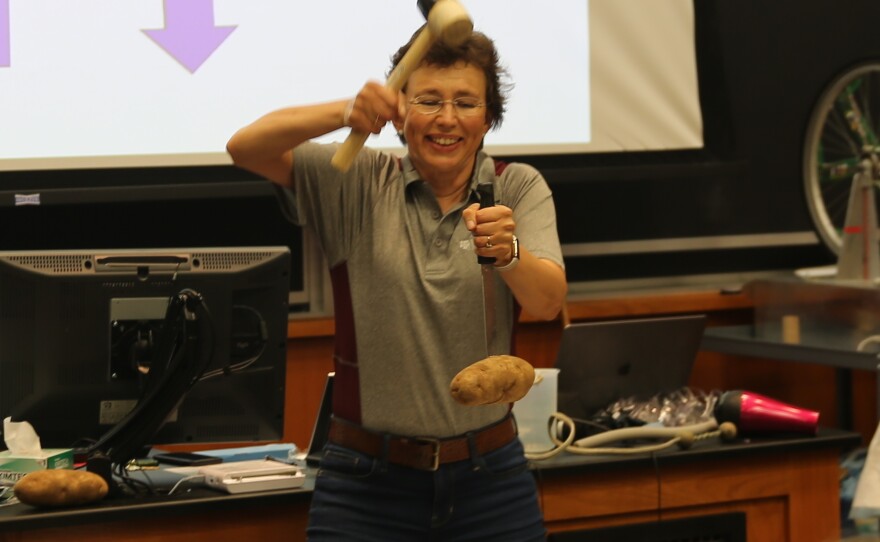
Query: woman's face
[{"x": 443, "y": 145}]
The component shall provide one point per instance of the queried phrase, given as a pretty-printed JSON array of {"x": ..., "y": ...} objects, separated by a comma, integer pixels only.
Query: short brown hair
[{"x": 478, "y": 50}]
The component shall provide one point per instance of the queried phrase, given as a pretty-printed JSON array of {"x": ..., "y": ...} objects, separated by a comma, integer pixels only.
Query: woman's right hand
[{"x": 373, "y": 107}]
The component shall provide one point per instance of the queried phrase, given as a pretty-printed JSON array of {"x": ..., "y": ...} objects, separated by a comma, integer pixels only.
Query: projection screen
[{"x": 125, "y": 83}]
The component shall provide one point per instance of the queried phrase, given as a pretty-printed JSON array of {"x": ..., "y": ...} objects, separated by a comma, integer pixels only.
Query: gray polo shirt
[{"x": 407, "y": 287}]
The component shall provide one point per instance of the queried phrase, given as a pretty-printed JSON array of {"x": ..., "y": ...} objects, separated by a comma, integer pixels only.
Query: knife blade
[{"x": 486, "y": 193}]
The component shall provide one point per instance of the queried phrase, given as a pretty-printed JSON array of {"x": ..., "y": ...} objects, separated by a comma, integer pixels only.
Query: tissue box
[{"x": 13, "y": 467}]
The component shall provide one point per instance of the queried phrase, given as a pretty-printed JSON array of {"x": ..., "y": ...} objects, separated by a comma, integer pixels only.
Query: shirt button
[
  {"x": 436, "y": 215},
  {"x": 438, "y": 243}
]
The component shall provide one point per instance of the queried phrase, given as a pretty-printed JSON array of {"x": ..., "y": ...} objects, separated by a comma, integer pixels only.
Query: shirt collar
[{"x": 484, "y": 171}]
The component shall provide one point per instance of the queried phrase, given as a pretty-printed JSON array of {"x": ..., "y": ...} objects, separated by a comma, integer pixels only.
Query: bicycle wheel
[{"x": 843, "y": 126}]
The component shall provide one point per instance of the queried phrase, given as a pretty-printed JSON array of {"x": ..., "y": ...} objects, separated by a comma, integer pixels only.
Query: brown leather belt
[{"x": 420, "y": 452}]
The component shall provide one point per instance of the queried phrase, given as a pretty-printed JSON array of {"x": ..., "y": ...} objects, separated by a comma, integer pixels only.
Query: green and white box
[{"x": 13, "y": 467}]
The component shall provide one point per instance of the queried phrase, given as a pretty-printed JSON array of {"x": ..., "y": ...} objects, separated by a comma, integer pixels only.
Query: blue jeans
[{"x": 487, "y": 498}]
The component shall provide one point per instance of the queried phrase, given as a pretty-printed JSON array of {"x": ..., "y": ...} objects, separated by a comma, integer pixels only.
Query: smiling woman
[
  {"x": 408, "y": 234},
  {"x": 443, "y": 144}
]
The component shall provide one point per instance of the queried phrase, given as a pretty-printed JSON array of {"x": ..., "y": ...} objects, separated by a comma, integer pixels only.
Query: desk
[
  {"x": 787, "y": 488},
  {"x": 747, "y": 341},
  {"x": 821, "y": 323},
  {"x": 825, "y": 349},
  {"x": 201, "y": 514}
]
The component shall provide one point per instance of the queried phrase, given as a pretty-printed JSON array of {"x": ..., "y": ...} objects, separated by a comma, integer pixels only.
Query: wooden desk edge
[
  {"x": 580, "y": 308},
  {"x": 653, "y": 304}
]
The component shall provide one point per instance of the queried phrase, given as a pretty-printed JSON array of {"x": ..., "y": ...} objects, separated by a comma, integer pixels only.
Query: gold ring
[{"x": 488, "y": 241}]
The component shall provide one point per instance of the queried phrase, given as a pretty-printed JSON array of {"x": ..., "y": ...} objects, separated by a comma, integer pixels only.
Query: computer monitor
[{"x": 80, "y": 329}]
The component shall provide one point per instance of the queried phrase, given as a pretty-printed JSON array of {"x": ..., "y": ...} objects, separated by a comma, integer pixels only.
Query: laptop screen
[
  {"x": 602, "y": 362},
  {"x": 321, "y": 430}
]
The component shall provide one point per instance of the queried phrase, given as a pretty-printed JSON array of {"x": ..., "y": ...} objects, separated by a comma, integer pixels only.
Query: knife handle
[{"x": 486, "y": 192}]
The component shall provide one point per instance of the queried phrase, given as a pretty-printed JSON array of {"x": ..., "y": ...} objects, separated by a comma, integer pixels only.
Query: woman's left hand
[
  {"x": 538, "y": 285},
  {"x": 492, "y": 229}
]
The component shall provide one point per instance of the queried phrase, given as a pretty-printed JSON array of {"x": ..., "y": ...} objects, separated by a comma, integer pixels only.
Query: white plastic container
[{"x": 533, "y": 412}]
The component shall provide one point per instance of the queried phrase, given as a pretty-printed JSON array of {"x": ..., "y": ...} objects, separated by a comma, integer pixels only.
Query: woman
[{"x": 405, "y": 461}]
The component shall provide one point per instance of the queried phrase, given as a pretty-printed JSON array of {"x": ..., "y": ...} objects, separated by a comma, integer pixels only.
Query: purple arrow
[
  {"x": 5, "y": 56},
  {"x": 189, "y": 34}
]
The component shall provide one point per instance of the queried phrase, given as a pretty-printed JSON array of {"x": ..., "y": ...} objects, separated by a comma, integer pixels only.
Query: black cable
[
  {"x": 659, "y": 487},
  {"x": 133, "y": 484},
  {"x": 231, "y": 368},
  {"x": 187, "y": 343}
]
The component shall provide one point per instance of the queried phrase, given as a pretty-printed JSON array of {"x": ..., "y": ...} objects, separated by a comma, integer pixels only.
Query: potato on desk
[
  {"x": 60, "y": 487},
  {"x": 496, "y": 379}
]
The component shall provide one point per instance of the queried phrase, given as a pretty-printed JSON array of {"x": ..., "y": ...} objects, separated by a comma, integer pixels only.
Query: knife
[{"x": 486, "y": 193}]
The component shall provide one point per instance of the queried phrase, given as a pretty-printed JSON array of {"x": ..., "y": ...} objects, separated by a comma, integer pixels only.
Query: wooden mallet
[{"x": 447, "y": 21}]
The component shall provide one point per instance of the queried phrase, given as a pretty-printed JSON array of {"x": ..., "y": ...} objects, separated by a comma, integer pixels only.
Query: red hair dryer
[{"x": 753, "y": 413}]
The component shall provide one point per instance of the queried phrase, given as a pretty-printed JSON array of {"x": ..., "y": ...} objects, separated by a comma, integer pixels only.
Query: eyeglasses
[{"x": 463, "y": 107}]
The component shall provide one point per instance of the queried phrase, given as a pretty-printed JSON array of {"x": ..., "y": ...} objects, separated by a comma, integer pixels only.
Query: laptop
[
  {"x": 602, "y": 362},
  {"x": 321, "y": 429}
]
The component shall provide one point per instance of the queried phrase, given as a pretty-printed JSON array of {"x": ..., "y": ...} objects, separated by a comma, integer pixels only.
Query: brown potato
[
  {"x": 60, "y": 487},
  {"x": 496, "y": 379}
]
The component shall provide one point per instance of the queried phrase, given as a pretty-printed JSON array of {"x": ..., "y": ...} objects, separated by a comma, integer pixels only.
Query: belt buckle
[{"x": 435, "y": 453}]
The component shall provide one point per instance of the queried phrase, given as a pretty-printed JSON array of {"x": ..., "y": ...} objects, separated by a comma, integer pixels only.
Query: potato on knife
[{"x": 496, "y": 379}]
